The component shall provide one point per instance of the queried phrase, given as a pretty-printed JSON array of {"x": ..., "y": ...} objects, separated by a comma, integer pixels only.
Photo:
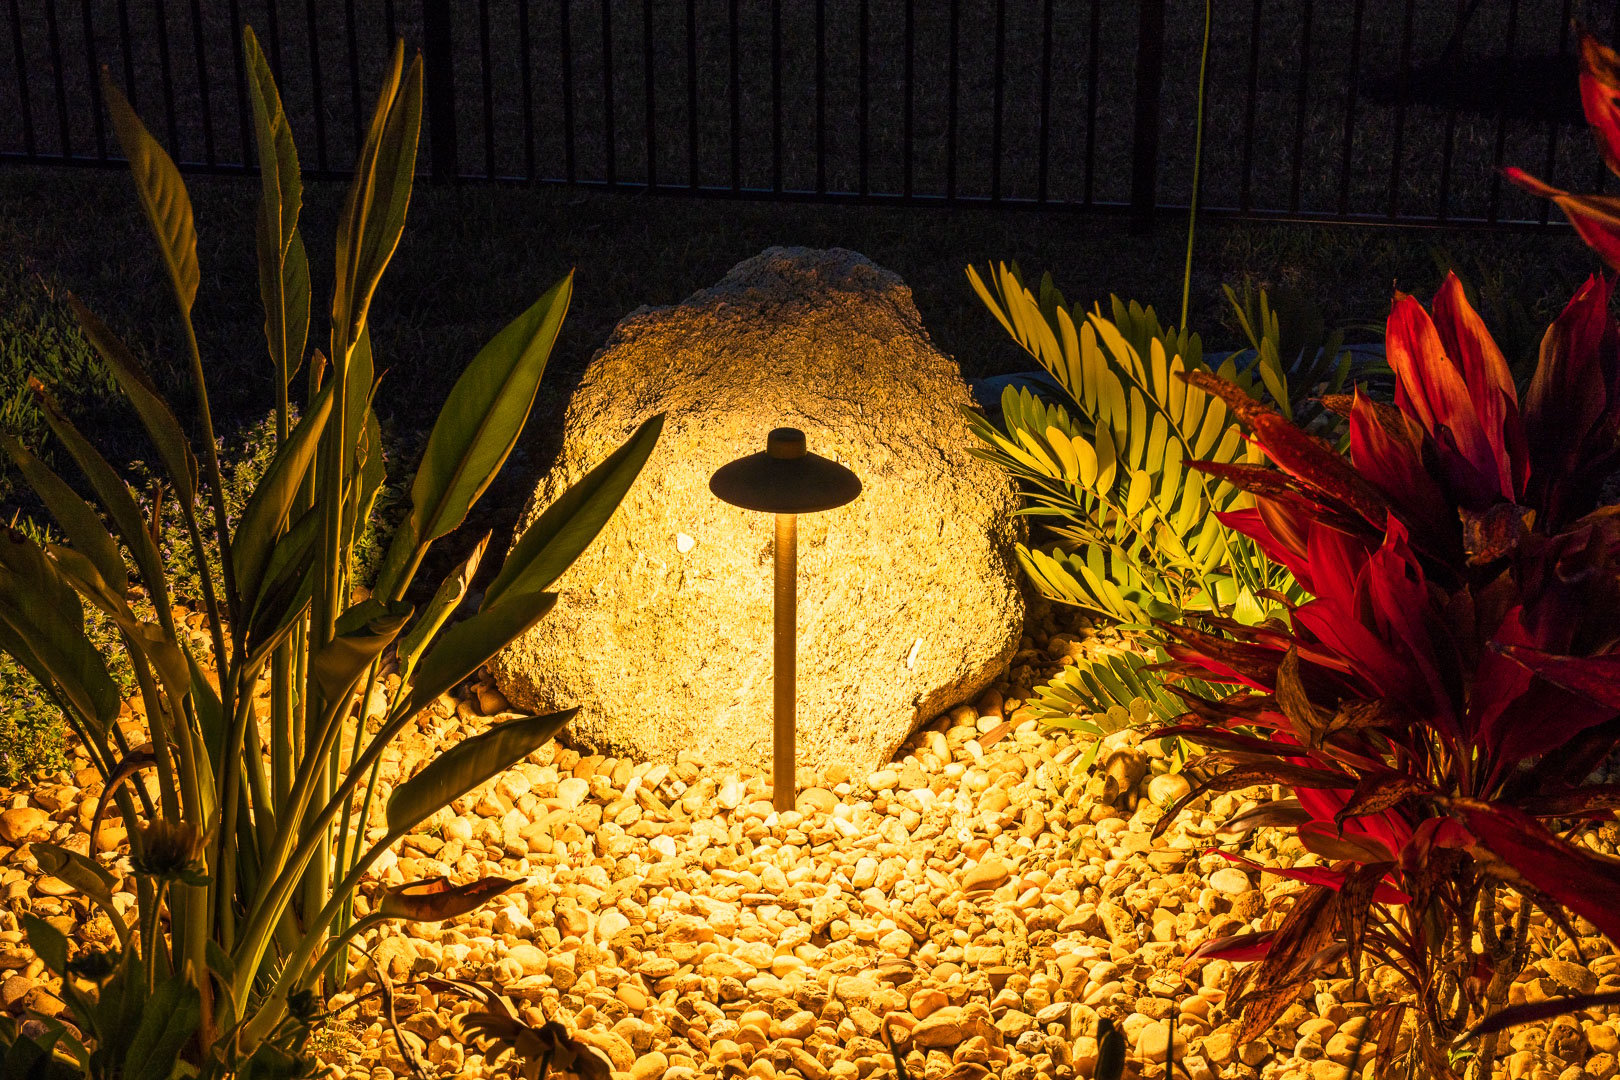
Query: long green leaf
[
  {"x": 555, "y": 539},
  {"x": 48, "y": 943},
  {"x": 467, "y": 764},
  {"x": 283, "y": 264},
  {"x": 461, "y": 650},
  {"x": 451, "y": 591},
  {"x": 78, "y": 520},
  {"x": 336, "y": 666},
  {"x": 265, "y": 517},
  {"x": 116, "y": 500},
  {"x": 168, "y": 1021},
  {"x": 374, "y": 215},
  {"x": 85, "y": 875},
  {"x": 162, "y": 194},
  {"x": 155, "y": 415},
  {"x": 483, "y": 416}
]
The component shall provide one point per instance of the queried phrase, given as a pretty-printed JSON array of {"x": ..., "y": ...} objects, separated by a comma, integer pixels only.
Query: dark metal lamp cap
[{"x": 785, "y": 478}]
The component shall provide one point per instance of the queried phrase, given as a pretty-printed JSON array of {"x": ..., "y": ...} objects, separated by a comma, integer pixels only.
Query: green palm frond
[
  {"x": 1137, "y": 537},
  {"x": 1100, "y": 695}
]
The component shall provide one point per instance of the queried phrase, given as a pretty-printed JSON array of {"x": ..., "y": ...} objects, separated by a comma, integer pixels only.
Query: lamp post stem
[{"x": 784, "y": 756}]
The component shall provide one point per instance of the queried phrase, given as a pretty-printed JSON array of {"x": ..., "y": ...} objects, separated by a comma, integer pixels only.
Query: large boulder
[{"x": 908, "y": 596}]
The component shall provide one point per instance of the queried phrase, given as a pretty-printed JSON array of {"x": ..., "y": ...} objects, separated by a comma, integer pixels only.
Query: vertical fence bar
[
  {"x": 126, "y": 46},
  {"x": 171, "y": 121},
  {"x": 526, "y": 73},
  {"x": 272, "y": 32},
  {"x": 20, "y": 58},
  {"x": 776, "y": 96},
  {"x": 609, "y": 140},
  {"x": 997, "y": 98},
  {"x": 1044, "y": 156},
  {"x": 1301, "y": 97},
  {"x": 821, "y": 97},
  {"x": 1403, "y": 87},
  {"x": 950, "y": 101},
  {"x": 54, "y": 39},
  {"x": 352, "y": 31},
  {"x": 94, "y": 82},
  {"x": 1145, "y": 133},
  {"x": 863, "y": 28},
  {"x": 316, "y": 91},
  {"x": 735, "y": 73},
  {"x": 1547, "y": 173},
  {"x": 1093, "y": 62},
  {"x": 649, "y": 82},
  {"x": 439, "y": 79},
  {"x": 1246, "y": 169},
  {"x": 204, "y": 97},
  {"x": 691, "y": 95},
  {"x": 1350, "y": 108},
  {"x": 488, "y": 79},
  {"x": 566, "y": 63},
  {"x": 1450, "y": 144},
  {"x": 243, "y": 129},
  {"x": 1493, "y": 213},
  {"x": 909, "y": 34}
]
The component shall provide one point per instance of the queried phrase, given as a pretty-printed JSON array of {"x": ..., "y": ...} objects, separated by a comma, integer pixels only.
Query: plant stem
[{"x": 1198, "y": 162}]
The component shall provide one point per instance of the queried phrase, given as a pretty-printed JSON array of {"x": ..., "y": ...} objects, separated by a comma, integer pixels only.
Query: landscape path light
[{"x": 785, "y": 480}]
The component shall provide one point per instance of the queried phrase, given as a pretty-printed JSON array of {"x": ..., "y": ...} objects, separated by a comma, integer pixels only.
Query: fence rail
[{"x": 1394, "y": 111}]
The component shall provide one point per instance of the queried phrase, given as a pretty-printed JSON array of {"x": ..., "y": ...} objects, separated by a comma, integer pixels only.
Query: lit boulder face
[{"x": 908, "y": 597}]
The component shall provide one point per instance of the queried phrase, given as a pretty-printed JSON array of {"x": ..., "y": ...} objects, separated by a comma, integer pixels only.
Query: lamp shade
[{"x": 785, "y": 478}]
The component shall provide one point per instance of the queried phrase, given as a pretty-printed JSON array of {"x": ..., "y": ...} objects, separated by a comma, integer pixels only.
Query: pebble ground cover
[{"x": 979, "y": 896}]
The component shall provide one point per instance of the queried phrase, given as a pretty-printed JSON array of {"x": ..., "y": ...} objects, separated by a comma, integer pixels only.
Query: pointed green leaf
[
  {"x": 467, "y": 764},
  {"x": 155, "y": 415},
  {"x": 483, "y": 416},
  {"x": 363, "y": 632},
  {"x": 265, "y": 517},
  {"x": 116, "y": 500},
  {"x": 451, "y": 591},
  {"x": 463, "y": 648},
  {"x": 162, "y": 194},
  {"x": 374, "y": 213},
  {"x": 168, "y": 1021},
  {"x": 78, "y": 520},
  {"x": 567, "y": 527},
  {"x": 48, "y": 943},
  {"x": 85, "y": 875}
]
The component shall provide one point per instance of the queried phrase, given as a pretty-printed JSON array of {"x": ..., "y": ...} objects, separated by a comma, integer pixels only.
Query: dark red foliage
[{"x": 1438, "y": 703}]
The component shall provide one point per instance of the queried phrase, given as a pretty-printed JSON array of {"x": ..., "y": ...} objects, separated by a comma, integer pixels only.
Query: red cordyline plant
[{"x": 1440, "y": 705}]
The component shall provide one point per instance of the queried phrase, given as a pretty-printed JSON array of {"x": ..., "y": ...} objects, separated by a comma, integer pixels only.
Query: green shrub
[
  {"x": 39, "y": 339},
  {"x": 248, "y": 853}
]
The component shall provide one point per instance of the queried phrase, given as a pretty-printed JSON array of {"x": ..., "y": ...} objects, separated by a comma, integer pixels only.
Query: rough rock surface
[{"x": 908, "y": 599}]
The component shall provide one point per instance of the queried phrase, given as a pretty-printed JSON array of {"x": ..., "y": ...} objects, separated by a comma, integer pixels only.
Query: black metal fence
[{"x": 1397, "y": 111}]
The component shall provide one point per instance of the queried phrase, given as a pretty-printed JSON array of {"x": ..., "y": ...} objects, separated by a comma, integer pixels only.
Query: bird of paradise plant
[
  {"x": 247, "y": 857},
  {"x": 1438, "y": 705}
]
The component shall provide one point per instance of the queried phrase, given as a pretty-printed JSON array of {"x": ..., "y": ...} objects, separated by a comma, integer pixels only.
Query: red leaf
[
  {"x": 1298, "y": 454},
  {"x": 1317, "y": 875},
  {"x": 1571, "y": 404},
  {"x": 1386, "y": 446},
  {"x": 1600, "y": 96},
  {"x": 1584, "y": 883},
  {"x": 1234, "y": 947},
  {"x": 1431, "y": 388},
  {"x": 1596, "y": 678},
  {"x": 1490, "y": 385},
  {"x": 1595, "y": 217}
]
